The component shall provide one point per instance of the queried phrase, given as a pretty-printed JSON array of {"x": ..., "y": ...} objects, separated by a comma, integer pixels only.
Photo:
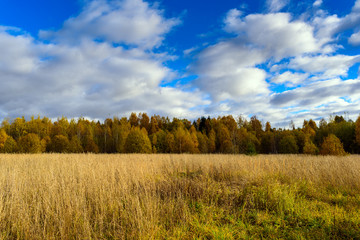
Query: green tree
[
  {"x": 268, "y": 143},
  {"x": 357, "y": 130},
  {"x": 288, "y": 144},
  {"x": 246, "y": 141},
  {"x": 346, "y": 132},
  {"x": 138, "y": 141},
  {"x": 160, "y": 141},
  {"x": 332, "y": 146}
]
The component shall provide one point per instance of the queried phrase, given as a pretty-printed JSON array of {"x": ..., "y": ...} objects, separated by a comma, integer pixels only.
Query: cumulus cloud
[
  {"x": 103, "y": 62},
  {"x": 229, "y": 70},
  {"x": 125, "y": 21},
  {"x": 300, "y": 52},
  {"x": 226, "y": 71},
  {"x": 17, "y": 53},
  {"x": 274, "y": 33},
  {"x": 92, "y": 78}
]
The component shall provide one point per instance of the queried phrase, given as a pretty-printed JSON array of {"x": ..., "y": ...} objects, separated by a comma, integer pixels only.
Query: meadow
[{"x": 165, "y": 196}]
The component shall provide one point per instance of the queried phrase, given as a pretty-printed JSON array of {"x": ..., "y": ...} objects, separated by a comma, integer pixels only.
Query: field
[{"x": 87, "y": 196}]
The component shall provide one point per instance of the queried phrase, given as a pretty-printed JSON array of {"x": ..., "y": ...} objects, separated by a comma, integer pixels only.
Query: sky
[{"x": 280, "y": 60}]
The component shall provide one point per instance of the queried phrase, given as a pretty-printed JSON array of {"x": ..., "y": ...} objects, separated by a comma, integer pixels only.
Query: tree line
[{"x": 143, "y": 134}]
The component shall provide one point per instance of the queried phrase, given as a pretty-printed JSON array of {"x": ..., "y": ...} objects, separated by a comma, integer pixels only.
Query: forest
[{"x": 156, "y": 134}]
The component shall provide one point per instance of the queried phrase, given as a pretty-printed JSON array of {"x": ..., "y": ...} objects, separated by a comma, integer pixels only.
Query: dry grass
[{"x": 85, "y": 196}]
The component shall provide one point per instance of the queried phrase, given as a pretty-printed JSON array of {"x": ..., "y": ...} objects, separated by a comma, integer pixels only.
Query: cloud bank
[
  {"x": 99, "y": 64},
  {"x": 275, "y": 51},
  {"x": 108, "y": 60}
]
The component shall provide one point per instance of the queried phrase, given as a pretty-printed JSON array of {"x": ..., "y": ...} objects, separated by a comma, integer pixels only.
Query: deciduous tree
[
  {"x": 288, "y": 144},
  {"x": 332, "y": 146},
  {"x": 138, "y": 141},
  {"x": 30, "y": 143}
]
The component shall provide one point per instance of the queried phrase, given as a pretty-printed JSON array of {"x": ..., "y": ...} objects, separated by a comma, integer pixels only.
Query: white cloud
[
  {"x": 300, "y": 52},
  {"x": 351, "y": 20},
  {"x": 327, "y": 66},
  {"x": 355, "y": 39},
  {"x": 327, "y": 27},
  {"x": 317, "y": 3},
  {"x": 82, "y": 72},
  {"x": 290, "y": 79},
  {"x": 274, "y": 33},
  {"x": 125, "y": 21},
  {"x": 226, "y": 71},
  {"x": 20, "y": 59},
  {"x": 91, "y": 78},
  {"x": 319, "y": 93},
  {"x": 276, "y": 5}
]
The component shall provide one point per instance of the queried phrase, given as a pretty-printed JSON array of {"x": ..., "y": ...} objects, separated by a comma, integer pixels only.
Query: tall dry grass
[{"x": 85, "y": 196}]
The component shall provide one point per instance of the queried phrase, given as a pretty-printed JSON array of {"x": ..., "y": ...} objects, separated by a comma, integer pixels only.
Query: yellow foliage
[
  {"x": 332, "y": 146},
  {"x": 3, "y": 137}
]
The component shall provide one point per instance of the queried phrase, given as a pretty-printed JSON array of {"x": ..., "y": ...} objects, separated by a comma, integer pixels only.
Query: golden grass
[{"x": 86, "y": 196}]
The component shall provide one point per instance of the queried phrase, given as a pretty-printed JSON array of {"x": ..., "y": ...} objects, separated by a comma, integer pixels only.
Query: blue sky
[{"x": 281, "y": 60}]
